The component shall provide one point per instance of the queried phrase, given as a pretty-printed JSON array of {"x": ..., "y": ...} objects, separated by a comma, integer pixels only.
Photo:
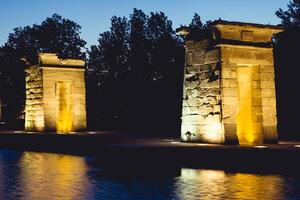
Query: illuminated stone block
[
  {"x": 55, "y": 95},
  {"x": 229, "y": 90}
]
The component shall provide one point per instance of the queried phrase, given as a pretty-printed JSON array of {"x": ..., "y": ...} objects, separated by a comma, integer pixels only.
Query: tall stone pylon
[
  {"x": 229, "y": 86},
  {"x": 55, "y": 95}
]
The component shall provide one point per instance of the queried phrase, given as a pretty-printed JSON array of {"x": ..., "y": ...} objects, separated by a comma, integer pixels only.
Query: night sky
[{"x": 94, "y": 15}]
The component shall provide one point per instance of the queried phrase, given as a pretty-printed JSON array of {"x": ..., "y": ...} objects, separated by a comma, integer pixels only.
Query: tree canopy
[
  {"x": 286, "y": 56},
  {"x": 136, "y": 70},
  {"x": 290, "y": 17},
  {"x": 55, "y": 34}
]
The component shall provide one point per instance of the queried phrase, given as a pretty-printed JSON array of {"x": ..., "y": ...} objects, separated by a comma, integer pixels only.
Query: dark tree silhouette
[
  {"x": 198, "y": 30},
  {"x": 139, "y": 79},
  {"x": 291, "y": 17},
  {"x": 107, "y": 72},
  {"x": 287, "y": 71},
  {"x": 55, "y": 34},
  {"x": 196, "y": 22}
]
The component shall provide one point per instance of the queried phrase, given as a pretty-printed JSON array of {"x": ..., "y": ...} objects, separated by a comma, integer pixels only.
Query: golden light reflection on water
[
  {"x": 204, "y": 184},
  {"x": 216, "y": 184},
  {"x": 256, "y": 187},
  {"x": 61, "y": 176},
  {"x": 44, "y": 176}
]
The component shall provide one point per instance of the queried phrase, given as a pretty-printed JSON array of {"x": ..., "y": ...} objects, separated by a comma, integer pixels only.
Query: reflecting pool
[{"x": 30, "y": 175}]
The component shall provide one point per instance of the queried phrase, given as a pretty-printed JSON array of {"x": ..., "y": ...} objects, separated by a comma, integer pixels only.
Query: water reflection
[
  {"x": 42, "y": 176},
  {"x": 201, "y": 183},
  {"x": 256, "y": 186},
  {"x": 215, "y": 184},
  {"x": 59, "y": 175}
]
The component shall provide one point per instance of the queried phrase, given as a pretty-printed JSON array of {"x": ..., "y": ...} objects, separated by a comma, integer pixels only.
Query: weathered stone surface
[
  {"x": 267, "y": 68},
  {"x": 230, "y": 92},
  {"x": 192, "y": 69},
  {"x": 270, "y": 134},
  {"x": 210, "y": 84},
  {"x": 197, "y": 58},
  {"x": 189, "y": 58},
  {"x": 229, "y": 74},
  {"x": 267, "y": 76},
  {"x": 229, "y": 83},
  {"x": 268, "y": 92},
  {"x": 267, "y": 84},
  {"x": 42, "y": 100},
  {"x": 229, "y": 88},
  {"x": 193, "y": 102},
  {"x": 189, "y": 45},
  {"x": 256, "y": 101},
  {"x": 237, "y": 53},
  {"x": 190, "y": 84},
  {"x": 34, "y": 102},
  {"x": 229, "y": 118},
  {"x": 256, "y": 84},
  {"x": 201, "y": 105},
  {"x": 211, "y": 56},
  {"x": 202, "y": 132},
  {"x": 230, "y": 133},
  {"x": 229, "y": 100},
  {"x": 269, "y": 101}
]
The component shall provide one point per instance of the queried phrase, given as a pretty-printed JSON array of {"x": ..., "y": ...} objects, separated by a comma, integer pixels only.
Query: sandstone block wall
[
  {"x": 263, "y": 99},
  {"x": 229, "y": 85},
  {"x": 34, "y": 110},
  {"x": 43, "y": 98},
  {"x": 51, "y": 76},
  {"x": 202, "y": 95}
]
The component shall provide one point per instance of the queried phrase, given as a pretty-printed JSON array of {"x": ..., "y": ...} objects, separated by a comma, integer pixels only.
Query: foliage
[
  {"x": 196, "y": 22},
  {"x": 286, "y": 69},
  {"x": 198, "y": 30},
  {"x": 136, "y": 70},
  {"x": 54, "y": 34},
  {"x": 290, "y": 17}
]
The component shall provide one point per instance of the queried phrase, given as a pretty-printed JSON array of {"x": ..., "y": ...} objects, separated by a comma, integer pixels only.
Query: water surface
[{"x": 30, "y": 175}]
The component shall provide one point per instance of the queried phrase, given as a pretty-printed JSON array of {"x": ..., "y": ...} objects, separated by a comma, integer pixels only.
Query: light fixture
[
  {"x": 18, "y": 131},
  {"x": 260, "y": 147},
  {"x": 167, "y": 140},
  {"x": 202, "y": 144}
]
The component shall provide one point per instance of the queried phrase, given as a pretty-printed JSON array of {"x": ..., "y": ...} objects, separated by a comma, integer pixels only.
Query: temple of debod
[
  {"x": 55, "y": 95},
  {"x": 228, "y": 98},
  {"x": 228, "y": 91},
  {"x": 229, "y": 88}
]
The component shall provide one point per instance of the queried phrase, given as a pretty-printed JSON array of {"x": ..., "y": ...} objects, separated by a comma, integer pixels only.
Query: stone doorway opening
[
  {"x": 64, "y": 106},
  {"x": 249, "y": 116}
]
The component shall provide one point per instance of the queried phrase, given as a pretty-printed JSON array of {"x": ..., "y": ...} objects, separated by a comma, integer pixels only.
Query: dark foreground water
[{"x": 28, "y": 175}]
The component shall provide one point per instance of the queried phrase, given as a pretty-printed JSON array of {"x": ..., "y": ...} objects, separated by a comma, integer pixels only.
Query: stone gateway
[
  {"x": 229, "y": 88},
  {"x": 55, "y": 95}
]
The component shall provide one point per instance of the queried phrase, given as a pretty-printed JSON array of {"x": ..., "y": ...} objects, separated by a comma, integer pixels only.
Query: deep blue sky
[{"x": 94, "y": 15}]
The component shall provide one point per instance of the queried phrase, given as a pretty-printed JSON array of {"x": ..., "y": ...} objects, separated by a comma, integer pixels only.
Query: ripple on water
[{"x": 29, "y": 175}]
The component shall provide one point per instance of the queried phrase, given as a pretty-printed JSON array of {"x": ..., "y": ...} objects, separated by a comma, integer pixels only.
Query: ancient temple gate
[
  {"x": 55, "y": 95},
  {"x": 229, "y": 89}
]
